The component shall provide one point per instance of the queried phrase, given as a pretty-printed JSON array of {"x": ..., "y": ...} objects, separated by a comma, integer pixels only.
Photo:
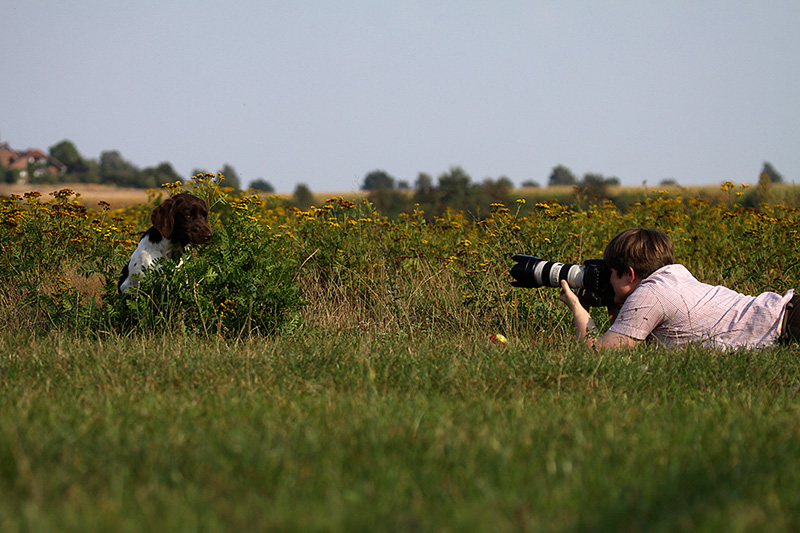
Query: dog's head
[{"x": 183, "y": 218}]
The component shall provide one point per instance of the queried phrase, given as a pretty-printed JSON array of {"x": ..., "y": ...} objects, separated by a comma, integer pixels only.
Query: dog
[{"x": 177, "y": 222}]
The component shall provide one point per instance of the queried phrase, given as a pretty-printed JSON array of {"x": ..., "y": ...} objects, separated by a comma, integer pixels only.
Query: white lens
[
  {"x": 537, "y": 272},
  {"x": 554, "y": 272},
  {"x": 575, "y": 276}
]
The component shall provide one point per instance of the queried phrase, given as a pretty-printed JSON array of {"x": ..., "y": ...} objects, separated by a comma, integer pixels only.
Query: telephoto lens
[
  {"x": 591, "y": 281},
  {"x": 534, "y": 272}
]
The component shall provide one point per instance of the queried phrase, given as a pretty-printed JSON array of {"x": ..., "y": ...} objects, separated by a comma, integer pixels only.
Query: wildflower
[{"x": 64, "y": 194}]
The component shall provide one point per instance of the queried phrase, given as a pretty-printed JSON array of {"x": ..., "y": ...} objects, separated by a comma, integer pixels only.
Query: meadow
[{"x": 332, "y": 369}]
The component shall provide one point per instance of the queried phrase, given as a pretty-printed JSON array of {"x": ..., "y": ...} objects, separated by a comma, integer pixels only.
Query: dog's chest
[{"x": 148, "y": 252}]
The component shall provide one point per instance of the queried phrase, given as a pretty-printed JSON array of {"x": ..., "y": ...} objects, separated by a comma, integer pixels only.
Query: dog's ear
[{"x": 163, "y": 217}]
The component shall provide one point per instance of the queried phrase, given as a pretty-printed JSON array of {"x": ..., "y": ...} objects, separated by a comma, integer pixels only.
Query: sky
[{"x": 322, "y": 93}]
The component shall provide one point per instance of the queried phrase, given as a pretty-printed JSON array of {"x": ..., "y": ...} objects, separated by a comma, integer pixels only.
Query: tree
[
  {"x": 424, "y": 183},
  {"x": 773, "y": 175},
  {"x": 561, "y": 175},
  {"x": 115, "y": 169},
  {"x": 456, "y": 190},
  {"x": 302, "y": 196},
  {"x": 152, "y": 177},
  {"x": 67, "y": 153},
  {"x": 378, "y": 179},
  {"x": 498, "y": 191},
  {"x": 262, "y": 185},
  {"x": 112, "y": 161},
  {"x": 231, "y": 177}
]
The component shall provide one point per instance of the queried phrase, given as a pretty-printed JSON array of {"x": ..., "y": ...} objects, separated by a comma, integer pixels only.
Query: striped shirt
[{"x": 672, "y": 308}]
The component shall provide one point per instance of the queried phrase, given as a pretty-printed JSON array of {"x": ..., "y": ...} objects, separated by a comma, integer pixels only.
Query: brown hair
[{"x": 643, "y": 249}]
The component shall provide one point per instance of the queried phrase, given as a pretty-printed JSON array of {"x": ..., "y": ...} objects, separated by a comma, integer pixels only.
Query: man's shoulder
[
  {"x": 666, "y": 282},
  {"x": 669, "y": 273}
]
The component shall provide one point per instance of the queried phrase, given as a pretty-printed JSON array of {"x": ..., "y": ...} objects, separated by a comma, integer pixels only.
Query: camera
[{"x": 591, "y": 280}]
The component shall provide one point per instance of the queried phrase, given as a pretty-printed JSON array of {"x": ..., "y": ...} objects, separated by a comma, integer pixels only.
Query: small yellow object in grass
[{"x": 498, "y": 338}]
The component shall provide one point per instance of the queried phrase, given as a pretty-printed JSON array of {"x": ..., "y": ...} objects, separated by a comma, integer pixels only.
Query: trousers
[{"x": 790, "y": 326}]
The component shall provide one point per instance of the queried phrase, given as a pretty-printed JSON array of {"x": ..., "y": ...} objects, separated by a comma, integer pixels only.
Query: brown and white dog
[{"x": 177, "y": 222}]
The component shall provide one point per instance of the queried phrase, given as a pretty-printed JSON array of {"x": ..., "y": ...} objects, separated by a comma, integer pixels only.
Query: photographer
[{"x": 660, "y": 301}]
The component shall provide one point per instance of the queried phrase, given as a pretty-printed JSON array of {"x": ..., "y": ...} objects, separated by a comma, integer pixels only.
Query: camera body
[{"x": 591, "y": 280}]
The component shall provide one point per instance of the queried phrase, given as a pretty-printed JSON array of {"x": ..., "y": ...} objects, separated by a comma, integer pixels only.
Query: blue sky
[{"x": 324, "y": 92}]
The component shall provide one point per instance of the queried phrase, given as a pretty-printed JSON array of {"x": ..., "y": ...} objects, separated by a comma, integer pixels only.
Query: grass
[
  {"x": 339, "y": 433},
  {"x": 373, "y": 400}
]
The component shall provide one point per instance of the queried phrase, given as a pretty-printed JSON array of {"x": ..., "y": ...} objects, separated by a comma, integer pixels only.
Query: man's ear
[{"x": 631, "y": 274}]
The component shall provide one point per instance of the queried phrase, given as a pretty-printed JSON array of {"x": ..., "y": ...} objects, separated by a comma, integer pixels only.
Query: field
[{"x": 332, "y": 369}]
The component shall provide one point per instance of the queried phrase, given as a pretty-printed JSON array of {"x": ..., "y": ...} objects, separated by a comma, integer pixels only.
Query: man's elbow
[{"x": 613, "y": 341}]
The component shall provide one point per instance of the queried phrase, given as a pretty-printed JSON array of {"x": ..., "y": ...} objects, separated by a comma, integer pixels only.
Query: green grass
[
  {"x": 393, "y": 433},
  {"x": 330, "y": 370}
]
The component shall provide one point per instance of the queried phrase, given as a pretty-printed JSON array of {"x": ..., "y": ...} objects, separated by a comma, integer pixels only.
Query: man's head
[{"x": 644, "y": 250}]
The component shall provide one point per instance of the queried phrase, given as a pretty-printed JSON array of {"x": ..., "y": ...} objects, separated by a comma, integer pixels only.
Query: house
[{"x": 31, "y": 163}]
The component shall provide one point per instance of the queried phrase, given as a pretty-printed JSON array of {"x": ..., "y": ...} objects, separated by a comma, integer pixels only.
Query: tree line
[
  {"x": 453, "y": 189},
  {"x": 113, "y": 169}
]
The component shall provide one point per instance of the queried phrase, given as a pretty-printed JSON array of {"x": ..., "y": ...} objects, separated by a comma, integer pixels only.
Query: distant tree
[
  {"x": 152, "y": 177},
  {"x": 115, "y": 169},
  {"x": 302, "y": 196},
  {"x": 389, "y": 202},
  {"x": 456, "y": 190},
  {"x": 262, "y": 185},
  {"x": 403, "y": 185},
  {"x": 773, "y": 175},
  {"x": 231, "y": 177},
  {"x": 561, "y": 175},
  {"x": 112, "y": 161},
  {"x": 668, "y": 182},
  {"x": 531, "y": 183},
  {"x": 67, "y": 153},
  {"x": 378, "y": 179},
  {"x": 425, "y": 193},
  {"x": 424, "y": 183},
  {"x": 594, "y": 186},
  {"x": 497, "y": 191}
]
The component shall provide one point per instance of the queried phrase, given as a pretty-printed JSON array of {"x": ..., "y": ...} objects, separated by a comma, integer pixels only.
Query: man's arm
[{"x": 584, "y": 324}]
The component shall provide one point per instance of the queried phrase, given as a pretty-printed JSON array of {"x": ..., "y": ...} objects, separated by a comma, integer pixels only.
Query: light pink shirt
[{"x": 671, "y": 307}]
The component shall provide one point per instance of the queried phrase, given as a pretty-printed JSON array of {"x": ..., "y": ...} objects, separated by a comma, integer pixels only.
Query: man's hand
[
  {"x": 582, "y": 318},
  {"x": 569, "y": 297}
]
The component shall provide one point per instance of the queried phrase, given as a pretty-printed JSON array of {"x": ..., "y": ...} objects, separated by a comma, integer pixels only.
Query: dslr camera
[{"x": 590, "y": 281}]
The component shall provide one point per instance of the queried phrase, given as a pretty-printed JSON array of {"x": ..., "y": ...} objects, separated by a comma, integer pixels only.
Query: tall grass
[{"x": 368, "y": 397}]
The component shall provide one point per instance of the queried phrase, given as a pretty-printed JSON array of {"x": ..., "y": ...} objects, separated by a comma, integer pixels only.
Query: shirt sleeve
[{"x": 641, "y": 313}]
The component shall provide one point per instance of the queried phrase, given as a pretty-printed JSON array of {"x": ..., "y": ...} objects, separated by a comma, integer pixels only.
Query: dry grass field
[{"x": 90, "y": 193}]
